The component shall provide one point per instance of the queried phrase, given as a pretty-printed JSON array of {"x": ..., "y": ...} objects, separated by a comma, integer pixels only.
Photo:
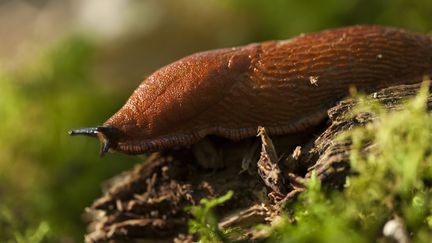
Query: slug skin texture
[{"x": 284, "y": 86}]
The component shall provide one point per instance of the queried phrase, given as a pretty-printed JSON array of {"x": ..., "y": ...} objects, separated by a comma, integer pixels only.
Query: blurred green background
[{"x": 73, "y": 63}]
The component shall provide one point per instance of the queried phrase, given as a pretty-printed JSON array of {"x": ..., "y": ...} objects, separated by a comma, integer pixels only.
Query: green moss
[
  {"x": 205, "y": 224},
  {"x": 43, "y": 171},
  {"x": 392, "y": 181}
]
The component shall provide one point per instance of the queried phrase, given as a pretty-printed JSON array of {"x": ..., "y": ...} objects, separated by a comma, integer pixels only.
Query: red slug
[{"x": 284, "y": 86}]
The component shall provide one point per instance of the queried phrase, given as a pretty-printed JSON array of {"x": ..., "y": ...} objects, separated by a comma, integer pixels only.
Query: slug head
[
  {"x": 166, "y": 107},
  {"x": 106, "y": 135}
]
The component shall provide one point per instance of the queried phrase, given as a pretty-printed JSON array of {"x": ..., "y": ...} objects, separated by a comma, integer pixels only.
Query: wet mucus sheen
[{"x": 284, "y": 86}]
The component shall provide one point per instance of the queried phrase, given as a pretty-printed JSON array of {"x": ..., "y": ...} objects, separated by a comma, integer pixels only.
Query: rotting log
[{"x": 147, "y": 203}]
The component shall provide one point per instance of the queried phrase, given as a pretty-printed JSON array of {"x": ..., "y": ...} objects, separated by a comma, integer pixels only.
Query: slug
[{"x": 284, "y": 86}]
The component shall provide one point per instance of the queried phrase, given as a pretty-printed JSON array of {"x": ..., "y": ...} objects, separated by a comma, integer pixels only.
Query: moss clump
[
  {"x": 391, "y": 161},
  {"x": 392, "y": 181}
]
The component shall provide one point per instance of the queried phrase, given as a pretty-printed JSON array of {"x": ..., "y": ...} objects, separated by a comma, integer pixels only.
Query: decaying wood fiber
[{"x": 147, "y": 203}]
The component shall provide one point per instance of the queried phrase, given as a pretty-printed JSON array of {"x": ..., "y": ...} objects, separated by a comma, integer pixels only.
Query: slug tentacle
[
  {"x": 105, "y": 146},
  {"x": 106, "y": 136},
  {"x": 91, "y": 131}
]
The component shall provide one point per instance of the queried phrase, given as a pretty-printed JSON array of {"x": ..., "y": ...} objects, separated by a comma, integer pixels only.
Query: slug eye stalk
[
  {"x": 104, "y": 134},
  {"x": 91, "y": 132}
]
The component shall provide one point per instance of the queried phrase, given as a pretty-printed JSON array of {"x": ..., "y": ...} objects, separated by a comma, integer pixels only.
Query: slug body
[{"x": 284, "y": 86}]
